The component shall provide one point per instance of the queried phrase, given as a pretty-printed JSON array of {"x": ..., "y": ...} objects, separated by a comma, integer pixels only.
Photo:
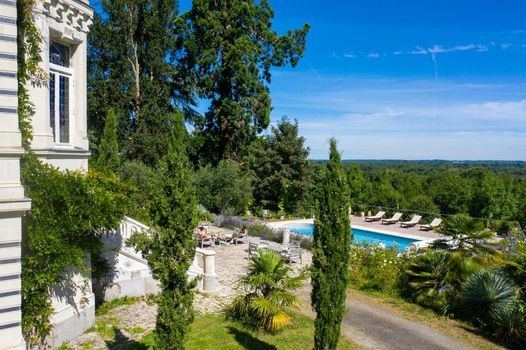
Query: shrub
[
  {"x": 515, "y": 266},
  {"x": 146, "y": 183},
  {"x": 434, "y": 279},
  {"x": 70, "y": 210},
  {"x": 374, "y": 268},
  {"x": 267, "y": 293},
  {"x": 223, "y": 189},
  {"x": 486, "y": 294},
  {"x": 509, "y": 324}
]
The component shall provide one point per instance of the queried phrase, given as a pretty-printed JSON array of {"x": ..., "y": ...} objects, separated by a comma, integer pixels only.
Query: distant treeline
[
  {"x": 514, "y": 167},
  {"x": 492, "y": 190}
]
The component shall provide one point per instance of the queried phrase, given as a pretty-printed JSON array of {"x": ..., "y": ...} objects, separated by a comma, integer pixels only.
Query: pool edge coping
[{"x": 280, "y": 224}]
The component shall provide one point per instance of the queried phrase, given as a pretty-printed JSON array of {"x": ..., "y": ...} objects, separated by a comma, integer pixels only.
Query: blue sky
[{"x": 407, "y": 79}]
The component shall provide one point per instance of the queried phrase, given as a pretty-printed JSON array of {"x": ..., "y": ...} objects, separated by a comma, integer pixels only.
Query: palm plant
[
  {"x": 486, "y": 294},
  {"x": 432, "y": 277},
  {"x": 466, "y": 235},
  {"x": 267, "y": 294}
]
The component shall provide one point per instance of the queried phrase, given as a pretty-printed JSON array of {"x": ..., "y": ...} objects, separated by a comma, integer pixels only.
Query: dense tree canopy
[
  {"x": 476, "y": 190},
  {"x": 134, "y": 66},
  {"x": 280, "y": 167},
  {"x": 231, "y": 48},
  {"x": 224, "y": 189}
]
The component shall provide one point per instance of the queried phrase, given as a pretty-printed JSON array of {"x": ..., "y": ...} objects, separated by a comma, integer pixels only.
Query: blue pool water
[{"x": 360, "y": 236}]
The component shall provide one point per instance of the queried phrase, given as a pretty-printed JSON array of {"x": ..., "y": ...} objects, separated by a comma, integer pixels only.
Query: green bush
[
  {"x": 70, "y": 210},
  {"x": 486, "y": 293},
  {"x": 224, "y": 189},
  {"x": 509, "y": 324},
  {"x": 375, "y": 268},
  {"x": 145, "y": 187},
  {"x": 267, "y": 293},
  {"x": 515, "y": 267},
  {"x": 434, "y": 279}
]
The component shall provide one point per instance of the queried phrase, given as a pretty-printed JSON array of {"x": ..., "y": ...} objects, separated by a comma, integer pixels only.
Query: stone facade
[
  {"x": 60, "y": 138},
  {"x": 60, "y": 122},
  {"x": 60, "y": 133},
  {"x": 13, "y": 203}
]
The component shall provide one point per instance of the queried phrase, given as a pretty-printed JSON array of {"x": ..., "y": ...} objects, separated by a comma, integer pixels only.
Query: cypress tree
[
  {"x": 170, "y": 247},
  {"x": 109, "y": 148},
  {"x": 330, "y": 260}
]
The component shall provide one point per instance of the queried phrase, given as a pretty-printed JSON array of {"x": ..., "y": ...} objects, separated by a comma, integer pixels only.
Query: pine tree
[
  {"x": 330, "y": 260},
  {"x": 231, "y": 47},
  {"x": 108, "y": 159},
  {"x": 170, "y": 247}
]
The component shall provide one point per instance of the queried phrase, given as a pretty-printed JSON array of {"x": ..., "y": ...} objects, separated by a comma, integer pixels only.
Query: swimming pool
[{"x": 360, "y": 236}]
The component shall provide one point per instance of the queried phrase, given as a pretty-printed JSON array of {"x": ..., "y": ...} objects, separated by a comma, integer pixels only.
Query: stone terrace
[{"x": 231, "y": 263}]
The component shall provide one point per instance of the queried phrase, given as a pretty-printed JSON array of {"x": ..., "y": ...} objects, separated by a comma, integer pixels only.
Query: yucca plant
[
  {"x": 486, "y": 294},
  {"x": 509, "y": 324},
  {"x": 267, "y": 293}
]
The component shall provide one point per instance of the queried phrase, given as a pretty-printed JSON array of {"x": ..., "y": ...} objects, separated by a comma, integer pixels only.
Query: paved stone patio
[{"x": 231, "y": 264}]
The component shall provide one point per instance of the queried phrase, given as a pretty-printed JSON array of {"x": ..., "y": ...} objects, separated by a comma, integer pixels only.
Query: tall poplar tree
[
  {"x": 134, "y": 66},
  {"x": 170, "y": 248},
  {"x": 330, "y": 259},
  {"x": 231, "y": 48}
]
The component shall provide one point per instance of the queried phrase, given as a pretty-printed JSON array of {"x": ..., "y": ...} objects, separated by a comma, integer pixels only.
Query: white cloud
[
  {"x": 439, "y": 49},
  {"x": 504, "y": 46},
  {"x": 373, "y": 55},
  {"x": 349, "y": 55}
]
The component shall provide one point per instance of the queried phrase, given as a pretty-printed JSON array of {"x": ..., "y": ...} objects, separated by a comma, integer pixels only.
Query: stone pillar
[
  {"x": 13, "y": 203},
  {"x": 210, "y": 282},
  {"x": 286, "y": 236}
]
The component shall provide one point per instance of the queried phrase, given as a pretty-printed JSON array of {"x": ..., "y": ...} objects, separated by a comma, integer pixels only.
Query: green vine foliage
[
  {"x": 28, "y": 43},
  {"x": 70, "y": 212}
]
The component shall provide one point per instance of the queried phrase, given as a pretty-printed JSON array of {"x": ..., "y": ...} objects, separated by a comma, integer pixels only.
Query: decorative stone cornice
[{"x": 76, "y": 14}]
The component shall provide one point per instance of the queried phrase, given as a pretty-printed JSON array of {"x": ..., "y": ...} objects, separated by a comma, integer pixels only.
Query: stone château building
[{"x": 60, "y": 138}]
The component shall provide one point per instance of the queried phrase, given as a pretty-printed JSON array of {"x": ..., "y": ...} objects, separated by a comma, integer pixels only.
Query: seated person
[
  {"x": 202, "y": 233},
  {"x": 243, "y": 231}
]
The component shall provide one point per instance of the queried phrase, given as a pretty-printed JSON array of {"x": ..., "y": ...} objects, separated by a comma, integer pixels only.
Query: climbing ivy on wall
[
  {"x": 70, "y": 211},
  {"x": 28, "y": 55}
]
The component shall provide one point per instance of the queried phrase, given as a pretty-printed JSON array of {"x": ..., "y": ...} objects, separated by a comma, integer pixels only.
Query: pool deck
[{"x": 360, "y": 223}]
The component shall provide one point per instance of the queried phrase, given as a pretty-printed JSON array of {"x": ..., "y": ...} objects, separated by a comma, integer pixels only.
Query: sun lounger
[
  {"x": 434, "y": 224},
  {"x": 411, "y": 223},
  {"x": 376, "y": 217},
  {"x": 396, "y": 217}
]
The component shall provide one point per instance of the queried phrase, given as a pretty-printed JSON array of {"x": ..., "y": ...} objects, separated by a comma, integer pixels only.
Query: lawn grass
[
  {"x": 107, "y": 306},
  {"x": 214, "y": 333}
]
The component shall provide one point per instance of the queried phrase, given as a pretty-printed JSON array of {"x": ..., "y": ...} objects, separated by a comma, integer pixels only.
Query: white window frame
[{"x": 68, "y": 73}]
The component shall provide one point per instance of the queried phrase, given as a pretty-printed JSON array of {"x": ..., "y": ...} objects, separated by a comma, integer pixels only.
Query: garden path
[{"x": 373, "y": 326}]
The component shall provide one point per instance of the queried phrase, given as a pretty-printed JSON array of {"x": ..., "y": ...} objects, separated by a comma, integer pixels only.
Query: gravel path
[
  {"x": 375, "y": 327},
  {"x": 379, "y": 329}
]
